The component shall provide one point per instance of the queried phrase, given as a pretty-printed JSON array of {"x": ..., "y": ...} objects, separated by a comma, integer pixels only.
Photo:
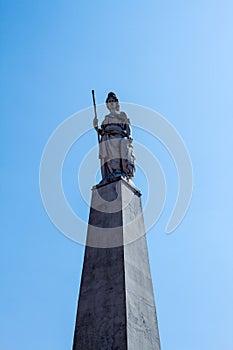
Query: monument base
[{"x": 116, "y": 309}]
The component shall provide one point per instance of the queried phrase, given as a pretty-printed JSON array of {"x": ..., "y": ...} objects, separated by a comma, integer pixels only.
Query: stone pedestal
[{"x": 116, "y": 309}]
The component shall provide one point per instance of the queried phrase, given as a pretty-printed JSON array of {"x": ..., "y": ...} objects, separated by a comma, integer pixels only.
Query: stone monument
[{"x": 116, "y": 309}]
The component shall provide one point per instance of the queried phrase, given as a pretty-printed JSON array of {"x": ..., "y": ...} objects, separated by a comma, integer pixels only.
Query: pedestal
[{"x": 116, "y": 309}]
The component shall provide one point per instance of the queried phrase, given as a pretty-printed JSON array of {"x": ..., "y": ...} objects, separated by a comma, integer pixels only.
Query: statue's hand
[{"x": 100, "y": 132}]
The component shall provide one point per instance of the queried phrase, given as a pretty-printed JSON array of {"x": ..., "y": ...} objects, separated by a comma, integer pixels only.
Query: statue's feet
[{"x": 113, "y": 177}]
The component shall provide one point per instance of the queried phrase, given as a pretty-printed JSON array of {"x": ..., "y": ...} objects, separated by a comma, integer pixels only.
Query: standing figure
[{"x": 115, "y": 143}]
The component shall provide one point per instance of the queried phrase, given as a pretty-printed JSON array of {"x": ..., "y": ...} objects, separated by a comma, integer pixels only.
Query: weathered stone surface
[{"x": 116, "y": 309}]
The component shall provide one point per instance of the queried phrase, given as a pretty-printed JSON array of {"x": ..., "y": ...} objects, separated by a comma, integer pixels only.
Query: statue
[{"x": 115, "y": 142}]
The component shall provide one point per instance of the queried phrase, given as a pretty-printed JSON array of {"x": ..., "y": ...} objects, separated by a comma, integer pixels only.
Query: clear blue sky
[{"x": 172, "y": 56}]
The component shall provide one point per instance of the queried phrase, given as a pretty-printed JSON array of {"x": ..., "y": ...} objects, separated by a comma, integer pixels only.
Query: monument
[{"x": 116, "y": 309}]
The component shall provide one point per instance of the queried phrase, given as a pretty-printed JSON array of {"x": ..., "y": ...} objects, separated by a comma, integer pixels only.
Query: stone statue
[{"x": 115, "y": 142}]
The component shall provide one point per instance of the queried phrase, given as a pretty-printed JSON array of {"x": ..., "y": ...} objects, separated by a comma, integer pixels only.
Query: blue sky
[{"x": 172, "y": 56}]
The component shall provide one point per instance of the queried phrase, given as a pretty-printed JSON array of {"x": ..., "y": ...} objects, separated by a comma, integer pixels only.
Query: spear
[{"x": 95, "y": 121}]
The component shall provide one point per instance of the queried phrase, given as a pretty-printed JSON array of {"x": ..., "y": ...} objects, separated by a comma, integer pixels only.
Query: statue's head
[{"x": 112, "y": 101}]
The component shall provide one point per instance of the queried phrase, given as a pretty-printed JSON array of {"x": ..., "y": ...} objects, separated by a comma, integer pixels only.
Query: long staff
[{"x": 95, "y": 121}]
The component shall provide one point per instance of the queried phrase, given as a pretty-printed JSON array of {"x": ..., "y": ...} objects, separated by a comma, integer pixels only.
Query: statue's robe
[{"x": 115, "y": 148}]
